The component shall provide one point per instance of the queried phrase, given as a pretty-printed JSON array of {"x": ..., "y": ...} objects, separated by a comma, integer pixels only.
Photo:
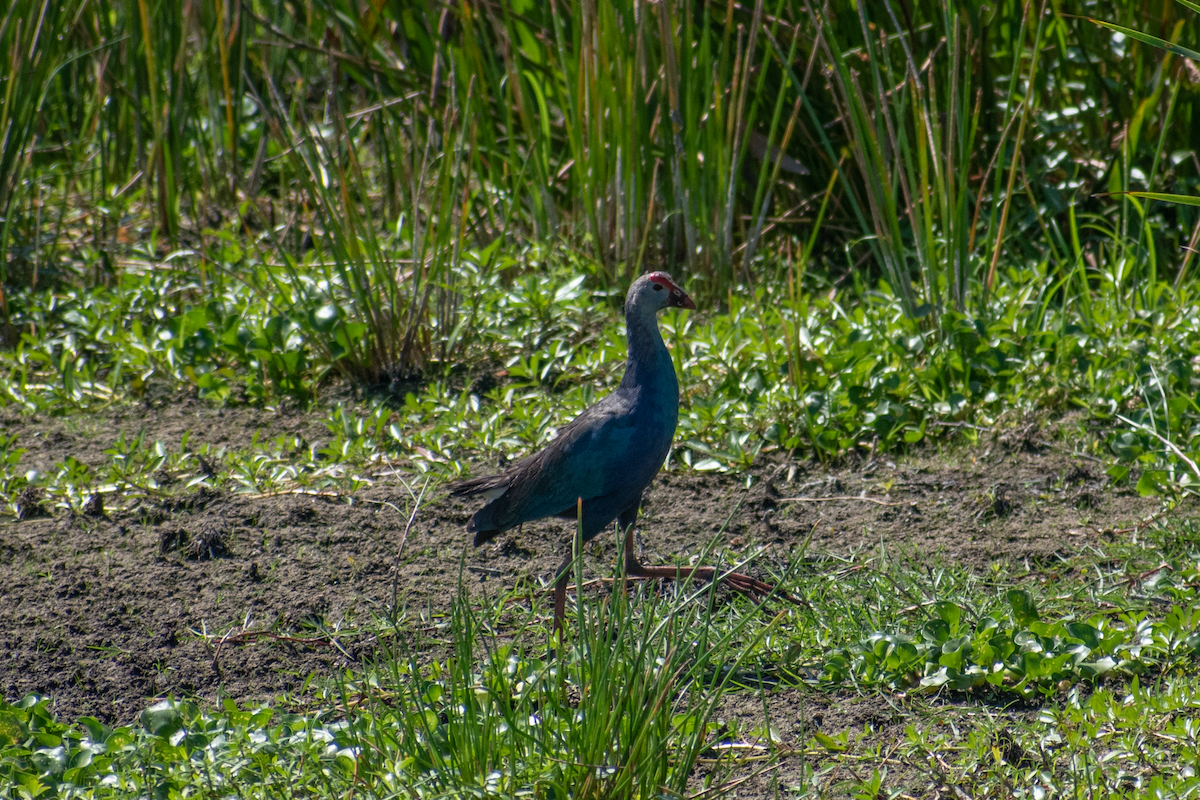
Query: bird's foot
[{"x": 739, "y": 582}]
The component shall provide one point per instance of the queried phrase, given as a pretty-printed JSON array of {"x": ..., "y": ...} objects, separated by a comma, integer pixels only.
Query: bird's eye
[{"x": 658, "y": 287}]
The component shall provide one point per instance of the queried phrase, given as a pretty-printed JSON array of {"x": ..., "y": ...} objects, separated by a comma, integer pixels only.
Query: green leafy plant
[{"x": 1017, "y": 652}]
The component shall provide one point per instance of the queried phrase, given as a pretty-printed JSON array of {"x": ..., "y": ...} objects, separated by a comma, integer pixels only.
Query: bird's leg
[
  {"x": 560, "y": 593},
  {"x": 737, "y": 581},
  {"x": 633, "y": 567}
]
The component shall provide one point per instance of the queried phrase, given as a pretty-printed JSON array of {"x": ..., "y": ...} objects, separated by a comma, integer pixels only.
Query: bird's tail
[{"x": 489, "y": 488}]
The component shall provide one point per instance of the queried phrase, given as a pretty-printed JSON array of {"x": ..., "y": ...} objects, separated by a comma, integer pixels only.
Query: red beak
[{"x": 679, "y": 299}]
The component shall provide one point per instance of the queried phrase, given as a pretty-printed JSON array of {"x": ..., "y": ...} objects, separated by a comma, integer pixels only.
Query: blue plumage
[
  {"x": 607, "y": 456},
  {"x": 611, "y": 452}
]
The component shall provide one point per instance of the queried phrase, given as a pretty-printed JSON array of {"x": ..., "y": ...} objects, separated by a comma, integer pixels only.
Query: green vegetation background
[{"x": 903, "y": 222}]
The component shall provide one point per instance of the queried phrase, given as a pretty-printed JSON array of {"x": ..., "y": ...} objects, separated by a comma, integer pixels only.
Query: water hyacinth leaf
[
  {"x": 10, "y": 728},
  {"x": 1046, "y": 630},
  {"x": 903, "y": 655},
  {"x": 1084, "y": 633},
  {"x": 937, "y": 679},
  {"x": 1055, "y": 666},
  {"x": 949, "y": 613},
  {"x": 1127, "y": 446},
  {"x": 1033, "y": 665},
  {"x": 81, "y": 759},
  {"x": 1023, "y": 606},
  {"x": 1094, "y": 669},
  {"x": 1028, "y": 641},
  {"x": 955, "y": 653},
  {"x": 325, "y": 318},
  {"x": 935, "y": 631},
  {"x": 162, "y": 719},
  {"x": 965, "y": 681},
  {"x": 52, "y": 761},
  {"x": 1154, "y": 482}
]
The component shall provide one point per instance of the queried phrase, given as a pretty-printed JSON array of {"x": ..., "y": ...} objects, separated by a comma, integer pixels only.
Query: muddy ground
[{"x": 102, "y": 613}]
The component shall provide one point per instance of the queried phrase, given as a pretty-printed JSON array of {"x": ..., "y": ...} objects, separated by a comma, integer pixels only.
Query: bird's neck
[{"x": 649, "y": 361}]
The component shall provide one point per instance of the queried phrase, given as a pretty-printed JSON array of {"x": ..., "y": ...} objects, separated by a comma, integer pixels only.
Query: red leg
[
  {"x": 737, "y": 581},
  {"x": 560, "y": 593},
  {"x": 560, "y": 602}
]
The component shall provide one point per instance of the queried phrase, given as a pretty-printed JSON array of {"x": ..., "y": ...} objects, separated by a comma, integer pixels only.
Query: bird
[{"x": 598, "y": 467}]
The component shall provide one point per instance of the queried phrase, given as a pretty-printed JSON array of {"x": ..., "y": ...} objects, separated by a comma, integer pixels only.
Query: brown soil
[{"x": 104, "y": 613}]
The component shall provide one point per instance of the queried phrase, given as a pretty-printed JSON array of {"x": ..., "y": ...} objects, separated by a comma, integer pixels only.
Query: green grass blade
[
  {"x": 1146, "y": 38},
  {"x": 1167, "y": 197}
]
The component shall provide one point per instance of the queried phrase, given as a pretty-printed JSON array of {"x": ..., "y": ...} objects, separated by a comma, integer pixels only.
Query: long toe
[
  {"x": 755, "y": 588},
  {"x": 738, "y": 581}
]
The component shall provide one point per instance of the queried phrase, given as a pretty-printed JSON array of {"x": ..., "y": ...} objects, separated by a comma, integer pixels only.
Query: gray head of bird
[{"x": 655, "y": 291}]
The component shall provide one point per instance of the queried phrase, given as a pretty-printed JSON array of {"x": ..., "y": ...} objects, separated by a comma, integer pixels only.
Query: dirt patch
[
  {"x": 104, "y": 611},
  {"x": 794, "y": 716},
  {"x": 872, "y": 727},
  {"x": 85, "y": 437}
]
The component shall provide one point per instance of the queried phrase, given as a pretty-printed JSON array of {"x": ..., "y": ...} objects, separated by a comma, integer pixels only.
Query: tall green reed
[
  {"x": 912, "y": 119},
  {"x": 947, "y": 145},
  {"x": 34, "y": 44},
  {"x": 659, "y": 107},
  {"x": 371, "y": 303}
]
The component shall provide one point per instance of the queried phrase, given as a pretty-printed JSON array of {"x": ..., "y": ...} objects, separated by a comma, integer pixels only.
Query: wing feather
[{"x": 584, "y": 460}]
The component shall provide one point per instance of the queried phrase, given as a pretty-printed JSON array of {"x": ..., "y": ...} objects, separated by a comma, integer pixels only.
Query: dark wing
[{"x": 585, "y": 460}]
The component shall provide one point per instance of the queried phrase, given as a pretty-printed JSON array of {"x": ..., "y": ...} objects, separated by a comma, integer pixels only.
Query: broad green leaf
[
  {"x": 1095, "y": 668},
  {"x": 1153, "y": 483},
  {"x": 950, "y": 613},
  {"x": 1023, "y": 606},
  {"x": 1084, "y": 633},
  {"x": 10, "y": 728},
  {"x": 162, "y": 719},
  {"x": 935, "y": 631}
]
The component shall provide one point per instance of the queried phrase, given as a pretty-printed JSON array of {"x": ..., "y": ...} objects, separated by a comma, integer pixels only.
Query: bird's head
[{"x": 656, "y": 291}]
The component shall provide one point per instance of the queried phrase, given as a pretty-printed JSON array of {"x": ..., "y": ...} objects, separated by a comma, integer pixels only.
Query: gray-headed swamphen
[{"x": 607, "y": 456}]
